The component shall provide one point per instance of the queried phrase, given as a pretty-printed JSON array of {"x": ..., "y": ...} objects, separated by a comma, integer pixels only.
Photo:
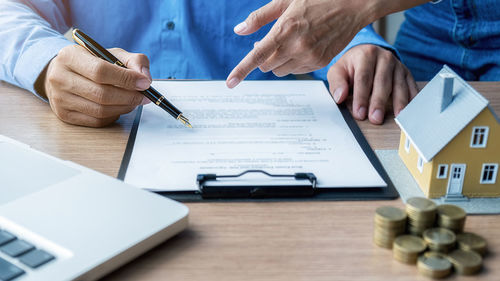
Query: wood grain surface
[{"x": 245, "y": 241}]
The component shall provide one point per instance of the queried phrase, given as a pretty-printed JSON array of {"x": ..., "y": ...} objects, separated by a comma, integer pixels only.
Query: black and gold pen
[{"x": 97, "y": 50}]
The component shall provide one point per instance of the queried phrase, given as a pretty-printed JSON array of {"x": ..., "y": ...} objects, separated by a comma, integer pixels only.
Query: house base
[
  {"x": 408, "y": 187},
  {"x": 452, "y": 198}
]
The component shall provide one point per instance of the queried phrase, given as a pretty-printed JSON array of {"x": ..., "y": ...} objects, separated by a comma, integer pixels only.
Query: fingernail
[
  {"x": 146, "y": 72},
  {"x": 142, "y": 84},
  {"x": 233, "y": 82},
  {"x": 337, "y": 94},
  {"x": 145, "y": 101},
  {"x": 240, "y": 27},
  {"x": 362, "y": 112},
  {"x": 378, "y": 116}
]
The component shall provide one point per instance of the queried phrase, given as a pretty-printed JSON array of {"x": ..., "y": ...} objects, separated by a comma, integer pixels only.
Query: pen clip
[
  {"x": 80, "y": 42},
  {"x": 94, "y": 48}
]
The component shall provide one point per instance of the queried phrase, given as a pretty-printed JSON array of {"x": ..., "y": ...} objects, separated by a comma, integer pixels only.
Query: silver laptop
[{"x": 62, "y": 221}]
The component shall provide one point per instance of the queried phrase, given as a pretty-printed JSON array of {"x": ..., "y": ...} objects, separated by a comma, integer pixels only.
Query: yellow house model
[{"x": 450, "y": 140}]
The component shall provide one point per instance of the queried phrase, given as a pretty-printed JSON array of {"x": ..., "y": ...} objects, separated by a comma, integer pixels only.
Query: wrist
[
  {"x": 376, "y": 9},
  {"x": 40, "y": 83},
  {"x": 371, "y": 11}
]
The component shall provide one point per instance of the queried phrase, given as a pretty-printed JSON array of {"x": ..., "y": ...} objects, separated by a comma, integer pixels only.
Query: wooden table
[{"x": 244, "y": 241}]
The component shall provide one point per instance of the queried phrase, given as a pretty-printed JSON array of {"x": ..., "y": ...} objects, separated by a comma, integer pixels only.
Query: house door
[{"x": 456, "y": 181}]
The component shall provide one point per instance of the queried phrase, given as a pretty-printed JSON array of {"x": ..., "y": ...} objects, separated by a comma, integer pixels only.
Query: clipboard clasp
[{"x": 274, "y": 185}]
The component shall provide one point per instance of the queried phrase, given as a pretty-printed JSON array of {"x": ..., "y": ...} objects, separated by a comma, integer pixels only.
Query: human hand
[
  {"x": 306, "y": 36},
  {"x": 374, "y": 73},
  {"x": 88, "y": 91}
]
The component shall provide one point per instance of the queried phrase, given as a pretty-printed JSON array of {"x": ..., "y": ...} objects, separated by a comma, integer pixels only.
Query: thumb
[
  {"x": 260, "y": 17},
  {"x": 338, "y": 78},
  {"x": 134, "y": 61}
]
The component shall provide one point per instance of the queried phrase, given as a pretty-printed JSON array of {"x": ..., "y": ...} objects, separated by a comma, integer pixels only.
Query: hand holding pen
[
  {"x": 83, "y": 89},
  {"x": 153, "y": 95}
]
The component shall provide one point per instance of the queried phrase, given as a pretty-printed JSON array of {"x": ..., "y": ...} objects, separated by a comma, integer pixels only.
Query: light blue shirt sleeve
[
  {"x": 366, "y": 36},
  {"x": 31, "y": 36}
]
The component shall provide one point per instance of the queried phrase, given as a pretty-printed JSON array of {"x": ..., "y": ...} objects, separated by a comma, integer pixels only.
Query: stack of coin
[
  {"x": 440, "y": 239},
  {"x": 421, "y": 214},
  {"x": 434, "y": 265},
  {"x": 468, "y": 241},
  {"x": 390, "y": 222},
  {"x": 439, "y": 228},
  {"x": 465, "y": 262},
  {"x": 406, "y": 248},
  {"x": 451, "y": 217}
]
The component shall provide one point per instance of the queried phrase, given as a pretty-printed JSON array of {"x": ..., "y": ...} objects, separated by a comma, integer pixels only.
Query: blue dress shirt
[{"x": 184, "y": 39}]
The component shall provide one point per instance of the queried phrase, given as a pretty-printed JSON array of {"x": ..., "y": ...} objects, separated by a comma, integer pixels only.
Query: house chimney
[{"x": 446, "y": 97}]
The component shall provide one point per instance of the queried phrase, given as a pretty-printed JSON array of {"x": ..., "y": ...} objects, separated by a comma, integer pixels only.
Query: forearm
[{"x": 29, "y": 42}]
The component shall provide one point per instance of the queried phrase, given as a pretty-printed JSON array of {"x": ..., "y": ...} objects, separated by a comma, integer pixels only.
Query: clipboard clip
[{"x": 274, "y": 185}]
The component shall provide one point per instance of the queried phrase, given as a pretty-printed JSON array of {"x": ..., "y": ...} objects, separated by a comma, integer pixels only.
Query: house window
[
  {"x": 407, "y": 144},
  {"x": 442, "y": 171},
  {"x": 489, "y": 173},
  {"x": 479, "y": 137},
  {"x": 420, "y": 164}
]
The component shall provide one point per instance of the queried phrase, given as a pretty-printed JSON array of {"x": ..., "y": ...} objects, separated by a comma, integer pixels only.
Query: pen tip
[{"x": 184, "y": 121}]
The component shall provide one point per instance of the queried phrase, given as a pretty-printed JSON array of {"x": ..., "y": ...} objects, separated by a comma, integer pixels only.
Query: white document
[{"x": 282, "y": 127}]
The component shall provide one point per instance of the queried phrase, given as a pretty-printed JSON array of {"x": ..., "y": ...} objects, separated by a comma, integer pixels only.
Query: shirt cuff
[
  {"x": 35, "y": 59},
  {"x": 367, "y": 35}
]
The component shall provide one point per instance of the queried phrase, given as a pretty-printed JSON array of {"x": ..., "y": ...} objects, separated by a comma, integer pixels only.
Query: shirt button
[{"x": 170, "y": 25}]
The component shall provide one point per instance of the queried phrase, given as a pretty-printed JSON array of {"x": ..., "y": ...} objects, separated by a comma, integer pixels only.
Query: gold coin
[
  {"x": 390, "y": 222},
  {"x": 405, "y": 258},
  {"x": 431, "y": 254},
  {"x": 439, "y": 236},
  {"x": 465, "y": 262},
  {"x": 383, "y": 240},
  {"x": 409, "y": 244},
  {"x": 421, "y": 216},
  {"x": 391, "y": 226},
  {"x": 451, "y": 217},
  {"x": 457, "y": 226},
  {"x": 392, "y": 234},
  {"x": 390, "y": 214},
  {"x": 383, "y": 244},
  {"x": 421, "y": 224},
  {"x": 420, "y": 204},
  {"x": 468, "y": 241},
  {"x": 434, "y": 265},
  {"x": 416, "y": 230},
  {"x": 451, "y": 212}
]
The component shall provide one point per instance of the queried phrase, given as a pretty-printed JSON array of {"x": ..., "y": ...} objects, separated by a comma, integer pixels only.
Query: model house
[{"x": 450, "y": 139}]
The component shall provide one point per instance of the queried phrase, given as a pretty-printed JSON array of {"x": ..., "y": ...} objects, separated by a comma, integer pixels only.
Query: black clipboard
[{"x": 286, "y": 193}]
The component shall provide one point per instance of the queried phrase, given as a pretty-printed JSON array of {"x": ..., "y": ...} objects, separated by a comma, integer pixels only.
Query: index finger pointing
[{"x": 259, "y": 54}]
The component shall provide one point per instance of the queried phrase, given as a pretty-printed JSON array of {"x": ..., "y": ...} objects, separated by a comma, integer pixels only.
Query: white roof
[{"x": 429, "y": 129}]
